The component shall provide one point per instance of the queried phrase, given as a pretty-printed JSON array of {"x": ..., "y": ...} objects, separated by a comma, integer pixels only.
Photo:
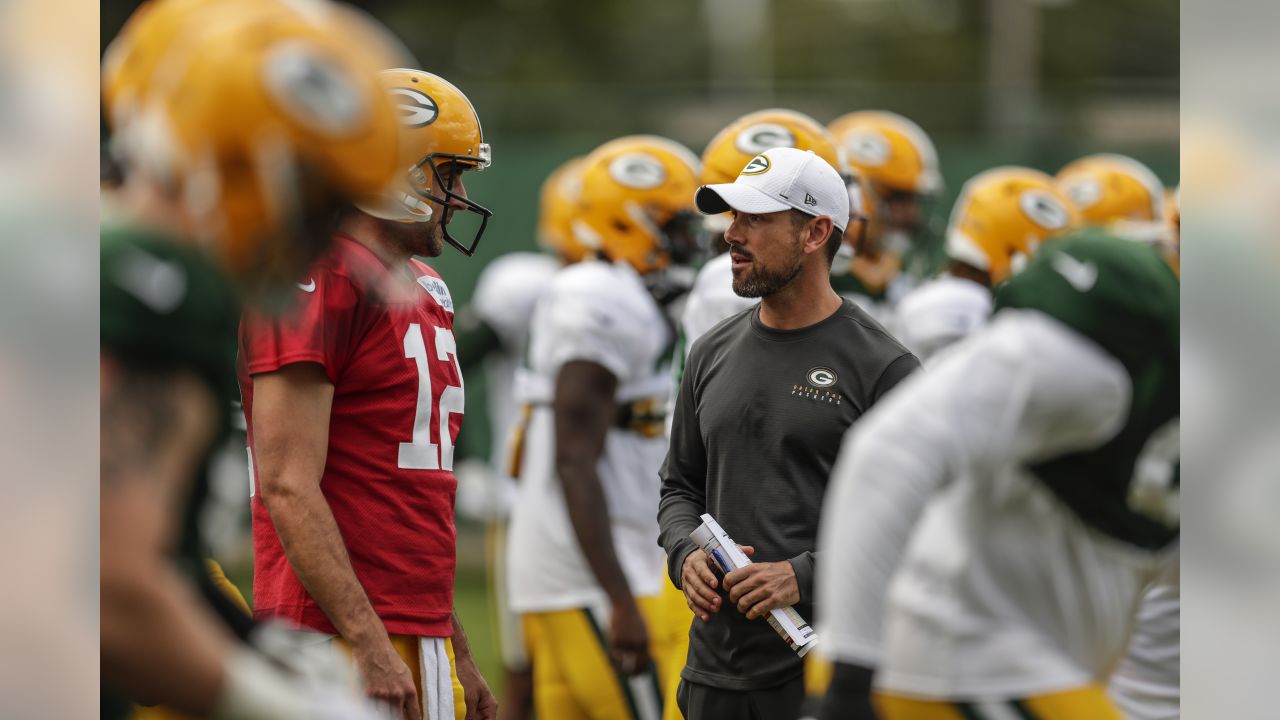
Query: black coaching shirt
[{"x": 758, "y": 423}]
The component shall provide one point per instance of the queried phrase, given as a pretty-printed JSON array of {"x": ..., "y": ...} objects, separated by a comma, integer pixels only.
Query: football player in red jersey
[
  {"x": 212, "y": 207},
  {"x": 354, "y": 399}
]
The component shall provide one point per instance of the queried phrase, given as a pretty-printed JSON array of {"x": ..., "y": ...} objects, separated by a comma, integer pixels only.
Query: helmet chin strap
[{"x": 397, "y": 206}]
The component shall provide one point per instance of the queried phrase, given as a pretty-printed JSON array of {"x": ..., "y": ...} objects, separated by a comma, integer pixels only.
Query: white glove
[{"x": 305, "y": 683}]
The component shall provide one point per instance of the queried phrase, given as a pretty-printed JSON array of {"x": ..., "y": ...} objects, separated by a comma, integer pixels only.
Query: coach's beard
[{"x": 757, "y": 281}]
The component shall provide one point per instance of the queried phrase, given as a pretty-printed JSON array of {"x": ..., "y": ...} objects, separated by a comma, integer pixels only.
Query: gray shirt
[{"x": 758, "y": 423}]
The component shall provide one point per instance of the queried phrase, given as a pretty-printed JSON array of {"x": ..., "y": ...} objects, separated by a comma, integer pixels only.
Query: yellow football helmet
[
  {"x": 260, "y": 123},
  {"x": 748, "y": 136},
  {"x": 557, "y": 203},
  {"x": 1108, "y": 188},
  {"x": 863, "y": 254},
  {"x": 1172, "y": 248},
  {"x": 440, "y": 136},
  {"x": 893, "y": 152},
  {"x": 131, "y": 61},
  {"x": 864, "y": 212},
  {"x": 1003, "y": 215},
  {"x": 636, "y": 203}
]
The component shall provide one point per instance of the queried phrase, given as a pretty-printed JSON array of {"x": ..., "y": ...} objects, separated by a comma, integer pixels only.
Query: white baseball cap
[{"x": 778, "y": 179}]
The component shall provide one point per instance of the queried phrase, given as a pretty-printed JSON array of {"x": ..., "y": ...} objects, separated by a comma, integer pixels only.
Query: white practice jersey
[
  {"x": 1000, "y": 591},
  {"x": 939, "y": 313},
  {"x": 879, "y": 308},
  {"x": 505, "y": 295},
  {"x": 1147, "y": 685},
  {"x": 598, "y": 312},
  {"x": 711, "y": 300}
]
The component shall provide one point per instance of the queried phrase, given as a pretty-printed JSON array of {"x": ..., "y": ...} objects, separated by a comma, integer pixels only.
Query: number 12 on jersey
[{"x": 421, "y": 453}]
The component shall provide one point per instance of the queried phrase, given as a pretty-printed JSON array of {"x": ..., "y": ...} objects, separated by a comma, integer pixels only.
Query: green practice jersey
[
  {"x": 1122, "y": 296},
  {"x": 166, "y": 306}
]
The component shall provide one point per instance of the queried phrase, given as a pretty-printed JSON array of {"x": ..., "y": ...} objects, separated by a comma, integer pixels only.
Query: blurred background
[
  {"x": 1029, "y": 82},
  {"x": 1035, "y": 82}
]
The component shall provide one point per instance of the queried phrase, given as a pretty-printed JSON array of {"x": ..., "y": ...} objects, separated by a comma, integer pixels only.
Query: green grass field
[{"x": 471, "y": 598}]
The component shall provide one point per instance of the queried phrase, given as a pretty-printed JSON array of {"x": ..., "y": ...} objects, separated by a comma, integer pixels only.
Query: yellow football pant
[
  {"x": 408, "y": 647},
  {"x": 817, "y": 675},
  {"x": 573, "y": 676},
  {"x": 1086, "y": 703},
  {"x": 677, "y": 617},
  {"x": 222, "y": 583}
]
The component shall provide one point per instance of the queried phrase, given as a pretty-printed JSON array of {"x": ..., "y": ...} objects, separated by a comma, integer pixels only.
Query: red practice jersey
[{"x": 397, "y": 408}]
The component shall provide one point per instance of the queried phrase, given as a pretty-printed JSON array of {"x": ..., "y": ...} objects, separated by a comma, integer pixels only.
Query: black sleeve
[
  {"x": 684, "y": 478},
  {"x": 893, "y": 374},
  {"x": 849, "y": 697},
  {"x": 804, "y": 565}
]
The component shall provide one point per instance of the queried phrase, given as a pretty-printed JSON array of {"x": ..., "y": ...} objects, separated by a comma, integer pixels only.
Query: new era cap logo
[
  {"x": 810, "y": 200},
  {"x": 758, "y": 165}
]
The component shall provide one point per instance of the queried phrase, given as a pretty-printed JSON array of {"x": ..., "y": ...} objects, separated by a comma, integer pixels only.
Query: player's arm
[
  {"x": 585, "y": 408},
  {"x": 890, "y": 464},
  {"x": 481, "y": 705},
  {"x": 1009, "y": 393},
  {"x": 157, "y": 642},
  {"x": 160, "y": 643},
  {"x": 291, "y": 434}
]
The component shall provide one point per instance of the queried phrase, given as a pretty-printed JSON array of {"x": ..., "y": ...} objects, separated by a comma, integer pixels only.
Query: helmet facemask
[
  {"x": 682, "y": 239},
  {"x": 447, "y": 199}
]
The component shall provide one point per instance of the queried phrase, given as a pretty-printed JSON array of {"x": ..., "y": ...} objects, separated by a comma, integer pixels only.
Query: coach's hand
[
  {"x": 699, "y": 582},
  {"x": 761, "y": 587},
  {"x": 386, "y": 677},
  {"x": 628, "y": 637},
  {"x": 481, "y": 705}
]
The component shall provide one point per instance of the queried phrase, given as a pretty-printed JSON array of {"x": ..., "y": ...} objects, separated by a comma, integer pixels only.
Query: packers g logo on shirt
[
  {"x": 417, "y": 109},
  {"x": 758, "y": 165},
  {"x": 756, "y": 139},
  {"x": 817, "y": 386},
  {"x": 822, "y": 377},
  {"x": 638, "y": 171}
]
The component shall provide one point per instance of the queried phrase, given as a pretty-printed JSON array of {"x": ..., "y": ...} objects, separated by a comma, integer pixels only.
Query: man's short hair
[{"x": 799, "y": 218}]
